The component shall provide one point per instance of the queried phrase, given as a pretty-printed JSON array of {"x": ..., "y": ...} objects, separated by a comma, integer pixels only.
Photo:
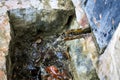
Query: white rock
[{"x": 109, "y": 62}]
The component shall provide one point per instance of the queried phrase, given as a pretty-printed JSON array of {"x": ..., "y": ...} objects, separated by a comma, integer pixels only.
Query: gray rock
[{"x": 35, "y": 21}]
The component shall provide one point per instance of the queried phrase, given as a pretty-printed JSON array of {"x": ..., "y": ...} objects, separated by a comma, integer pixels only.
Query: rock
[
  {"x": 4, "y": 40},
  {"x": 109, "y": 65},
  {"x": 104, "y": 18},
  {"x": 38, "y": 41},
  {"x": 83, "y": 52},
  {"x": 39, "y": 21}
]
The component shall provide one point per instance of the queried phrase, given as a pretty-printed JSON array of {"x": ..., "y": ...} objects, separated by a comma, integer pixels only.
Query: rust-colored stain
[
  {"x": 55, "y": 73},
  {"x": 52, "y": 70}
]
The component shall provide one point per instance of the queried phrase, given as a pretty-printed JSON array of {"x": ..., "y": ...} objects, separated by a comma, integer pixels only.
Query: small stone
[{"x": 38, "y": 41}]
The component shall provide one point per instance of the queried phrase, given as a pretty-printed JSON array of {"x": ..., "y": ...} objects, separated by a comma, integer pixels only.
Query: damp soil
[{"x": 39, "y": 58}]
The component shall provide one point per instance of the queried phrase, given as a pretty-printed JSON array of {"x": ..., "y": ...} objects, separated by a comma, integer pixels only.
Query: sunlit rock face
[
  {"x": 109, "y": 65},
  {"x": 104, "y": 18}
]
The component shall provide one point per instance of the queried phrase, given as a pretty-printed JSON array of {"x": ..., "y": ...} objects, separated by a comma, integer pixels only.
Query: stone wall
[{"x": 103, "y": 16}]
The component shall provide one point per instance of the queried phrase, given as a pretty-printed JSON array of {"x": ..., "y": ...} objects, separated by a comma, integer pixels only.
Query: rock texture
[
  {"x": 109, "y": 65},
  {"x": 104, "y": 17},
  {"x": 83, "y": 52},
  {"x": 26, "y": 24},
  {"x": 80, "y": 14},
  {"x": 4, "y": 40},
  {"x": 37, "y": 21},
  {"x": 53, "y": 16},
  {"x": 6, "y": 5}
]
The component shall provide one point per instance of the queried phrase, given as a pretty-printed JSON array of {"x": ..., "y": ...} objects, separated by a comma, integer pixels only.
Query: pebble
[{"x": 38, "y": 41}]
